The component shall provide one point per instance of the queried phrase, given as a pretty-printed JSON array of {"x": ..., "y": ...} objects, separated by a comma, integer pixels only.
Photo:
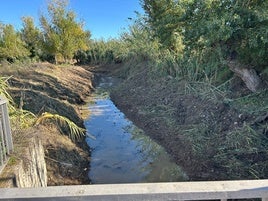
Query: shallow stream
[{"x": 121, "y": 152}]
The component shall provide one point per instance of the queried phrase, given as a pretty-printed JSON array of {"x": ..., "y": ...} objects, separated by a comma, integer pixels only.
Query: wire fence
[{"x": 6, "y": 142}]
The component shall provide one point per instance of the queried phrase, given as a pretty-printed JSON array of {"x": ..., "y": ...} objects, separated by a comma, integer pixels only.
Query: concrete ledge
[{"x": 146, "y": 191}]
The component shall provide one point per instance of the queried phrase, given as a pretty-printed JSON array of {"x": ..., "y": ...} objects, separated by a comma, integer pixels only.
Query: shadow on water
[{"x": 121, "y": 152}]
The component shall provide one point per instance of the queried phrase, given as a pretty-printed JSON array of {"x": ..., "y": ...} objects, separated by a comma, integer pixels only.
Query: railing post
[
  {"x": 7, "y": 129},
  {"x": 6, "y": 126},
  {"x": 6, "y": 142},
  {"x": 1, "y": 147}
]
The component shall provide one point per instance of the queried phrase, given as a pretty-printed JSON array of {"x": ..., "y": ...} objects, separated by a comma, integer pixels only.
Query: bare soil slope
[{"x": 59, "y": 90}]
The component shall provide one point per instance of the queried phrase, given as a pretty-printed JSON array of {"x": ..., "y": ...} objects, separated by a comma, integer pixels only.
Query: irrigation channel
[{"x": 121, "y": 152}]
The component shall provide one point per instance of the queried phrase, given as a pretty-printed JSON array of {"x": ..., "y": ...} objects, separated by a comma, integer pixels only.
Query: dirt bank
[
  {"x": 204, "y": 130},
  {"x": 59, "y": 90}
]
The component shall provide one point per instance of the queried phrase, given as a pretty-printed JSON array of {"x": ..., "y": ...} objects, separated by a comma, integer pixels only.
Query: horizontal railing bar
[{"x": 144, "y": 191}]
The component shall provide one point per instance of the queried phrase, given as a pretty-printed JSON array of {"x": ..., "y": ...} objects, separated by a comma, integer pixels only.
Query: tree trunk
[{"x": 249, "y": 76}]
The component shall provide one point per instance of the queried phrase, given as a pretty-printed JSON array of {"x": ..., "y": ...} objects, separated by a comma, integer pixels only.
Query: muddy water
[{"x": 121, "y": 152}]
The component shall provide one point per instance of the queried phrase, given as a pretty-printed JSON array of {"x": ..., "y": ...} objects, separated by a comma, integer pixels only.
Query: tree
[
  {"x": 63, "y": 35},
  {"x": 11, "y": 45},
  {"x": 164, "y": 18},
  {"x": 236, "y": 28},
  {"x": 239, "y": 28},
  {"x": 31, "y": 35}
]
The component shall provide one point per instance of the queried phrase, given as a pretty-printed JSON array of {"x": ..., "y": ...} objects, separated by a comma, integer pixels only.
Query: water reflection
[
  {"x": 159, "y": 166},
  {"x": 122, "y": 153}
]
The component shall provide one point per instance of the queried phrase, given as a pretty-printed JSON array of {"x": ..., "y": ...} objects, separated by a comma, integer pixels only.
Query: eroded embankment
[{"x": 59, "y": 90}]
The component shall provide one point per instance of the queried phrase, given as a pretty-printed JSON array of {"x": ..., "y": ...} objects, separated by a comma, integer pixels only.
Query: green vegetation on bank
[{"x": 197, "y": 39}]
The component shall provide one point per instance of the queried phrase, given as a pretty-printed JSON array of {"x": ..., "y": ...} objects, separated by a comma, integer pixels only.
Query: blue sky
[{"x": 104, "y": 18}]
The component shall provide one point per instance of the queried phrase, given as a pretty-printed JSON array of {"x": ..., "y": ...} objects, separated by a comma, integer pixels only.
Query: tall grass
[
  {"x": 139, "y": 44},
  {"x": 197, "y": 66},
  {"x": 3, "y": 89},
  {"x": 136, "y": 45}
]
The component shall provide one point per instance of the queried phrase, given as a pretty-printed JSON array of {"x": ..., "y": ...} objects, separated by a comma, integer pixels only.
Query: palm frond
[
  {"x": 3, "y": 89},
  {"x": 76, "y": 132}
]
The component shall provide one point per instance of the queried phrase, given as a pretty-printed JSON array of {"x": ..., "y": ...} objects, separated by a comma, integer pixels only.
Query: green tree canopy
[
  {"x": 239, "y": 26},
  {"x": 63, "y": 35},
  {"x": 232, "y": 33},
  {"x": 11, "y": 45},
  {"x": 31, "y": 35},
  {"x": 164, "y": 18}
]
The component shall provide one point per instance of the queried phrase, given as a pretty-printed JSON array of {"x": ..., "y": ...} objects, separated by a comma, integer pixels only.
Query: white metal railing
[
  {"x": 212, "y": 190},
  {"x": 6, "y": 143}
]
